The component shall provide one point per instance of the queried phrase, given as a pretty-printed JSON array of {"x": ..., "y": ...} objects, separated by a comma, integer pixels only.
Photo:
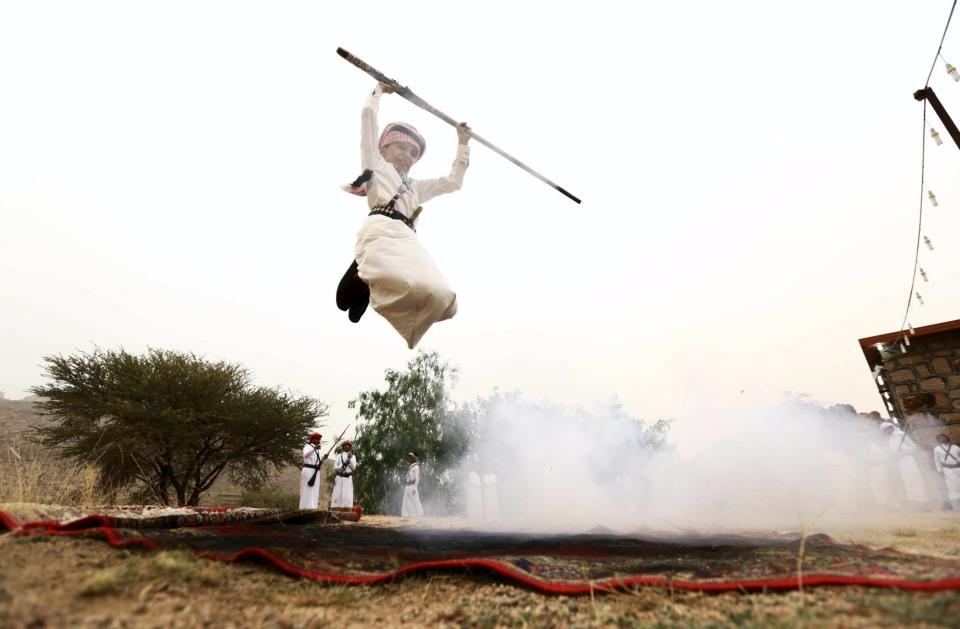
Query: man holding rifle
[
  {"x": 312, "y": 460},
  {"x": 343, "y": 466}
]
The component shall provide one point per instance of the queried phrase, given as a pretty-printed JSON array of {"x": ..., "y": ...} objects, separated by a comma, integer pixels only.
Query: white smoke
[{"x": 788, "y": 466}]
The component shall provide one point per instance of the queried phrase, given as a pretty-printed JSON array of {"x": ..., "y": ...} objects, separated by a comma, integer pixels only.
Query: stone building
[{"x": 920, "y": 387}]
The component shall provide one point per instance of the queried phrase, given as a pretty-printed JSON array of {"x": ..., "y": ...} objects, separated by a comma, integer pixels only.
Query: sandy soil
[{"x": 74, "y": 582}]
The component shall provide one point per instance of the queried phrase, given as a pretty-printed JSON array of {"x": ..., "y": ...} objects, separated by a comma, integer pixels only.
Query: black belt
[
  {"x": 389, "y": 212},
  {"x": 344, "y": 474},
  {"x": 311, "y": 466}
]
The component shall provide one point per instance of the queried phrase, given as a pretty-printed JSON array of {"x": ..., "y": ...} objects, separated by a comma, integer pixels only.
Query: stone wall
[{"x": 924, "y": 383}]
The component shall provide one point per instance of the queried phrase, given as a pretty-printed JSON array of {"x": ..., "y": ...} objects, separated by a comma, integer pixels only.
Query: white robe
[
  {"x": 309, "y": 496},
  {"x": 914, "y": 486},
  {"x": 411, "y": 506},
  {"x": 406, "y": 287},
  {"x": 342, "y": 495},
  {"x": 491, "y": 498},
  {"x": 879, "y": 475},
  {"x": 947, "y": 460},
  {"x": 474, "y": 497}
]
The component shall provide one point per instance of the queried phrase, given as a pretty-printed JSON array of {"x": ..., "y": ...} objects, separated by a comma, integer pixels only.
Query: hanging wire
[
  {"x": 923, "y": 183},
  {"x": 940, "y": 47},
  {"x": 916, "y": 255}
]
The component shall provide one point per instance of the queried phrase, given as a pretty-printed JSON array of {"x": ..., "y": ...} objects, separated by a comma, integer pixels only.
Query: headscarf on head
[
  {"x": 315, "y": 437},
  {"x": 346, "y": 443},
  {"x": 402, "y": 132},
  {"x": 393, "y": 132},
  {"x": 412, "y": 456}
]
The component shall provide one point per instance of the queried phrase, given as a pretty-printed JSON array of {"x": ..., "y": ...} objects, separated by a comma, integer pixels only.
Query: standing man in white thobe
[
  {"x": 946, "y": 456},
  {"x": 411, "y": 507},
  {"x": 312, "y": 460},
  {"x": 474, "y": 498},
  {"x": 343, "y": 466},
  {"x": 902, "y": 448},
  {"x": 491, "y": 498},
  {"x": 879, "y": 470}
]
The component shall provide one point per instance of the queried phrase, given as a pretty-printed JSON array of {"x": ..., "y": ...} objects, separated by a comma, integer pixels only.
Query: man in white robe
[
  {"x": 879, "y": 473},
  {"x": 946, "y": 456},
  {"x": 411, "y": 506},
  {"x": 474, "y": 498},
  {"x": 903, "y": 448},
  {"x": 343, "y": 466},
  {"x": 391, "y": 270},
  {"x": 312, "y": 460},
  {"x": 491, "y": 498}
]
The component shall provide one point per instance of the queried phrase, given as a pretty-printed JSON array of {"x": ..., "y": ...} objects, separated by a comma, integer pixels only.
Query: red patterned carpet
[{"x": 312, "y": 545}]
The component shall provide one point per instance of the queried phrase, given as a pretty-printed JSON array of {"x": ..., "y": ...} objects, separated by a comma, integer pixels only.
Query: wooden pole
[
  {"x": 928, "y": 94},
  {"x": 408, "y": 94}
]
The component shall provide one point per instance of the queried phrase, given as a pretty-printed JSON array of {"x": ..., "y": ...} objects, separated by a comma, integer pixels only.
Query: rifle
[
  {"x": 336, "y": 442},
  {"x": 313, "y": 478},
  {"x": 408, "y": 94}
]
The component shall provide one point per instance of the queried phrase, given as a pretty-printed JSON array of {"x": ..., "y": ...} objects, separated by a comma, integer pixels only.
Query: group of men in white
[
  {"x": 896, "y": 477},
  {"x": 344, "y": 465}
]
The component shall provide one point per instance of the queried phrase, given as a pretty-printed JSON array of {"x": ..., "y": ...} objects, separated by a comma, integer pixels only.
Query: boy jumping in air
[{"x": 392, "y": 271}]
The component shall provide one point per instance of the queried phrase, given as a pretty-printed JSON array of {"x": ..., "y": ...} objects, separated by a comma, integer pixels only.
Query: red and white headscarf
[
  {"x": 402, "y": 132},
  {"x": 315, "y": 437},
  {"x": 393, "y": 132}
]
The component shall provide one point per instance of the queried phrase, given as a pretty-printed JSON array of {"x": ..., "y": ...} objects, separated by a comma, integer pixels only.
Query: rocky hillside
[{"x": 17, "y": 417}]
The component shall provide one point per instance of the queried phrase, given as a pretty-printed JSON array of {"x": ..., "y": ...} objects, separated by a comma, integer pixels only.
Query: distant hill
[{"x": 17, "y": 416}]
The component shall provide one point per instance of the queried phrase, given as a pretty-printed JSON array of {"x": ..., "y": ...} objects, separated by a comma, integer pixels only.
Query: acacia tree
[
  {"x": 413, "y": 414},
  {"x": 169, "y": 422}
]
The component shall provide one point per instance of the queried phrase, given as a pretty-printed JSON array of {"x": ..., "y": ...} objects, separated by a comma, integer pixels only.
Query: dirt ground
[{"x": 85, "y": 583}]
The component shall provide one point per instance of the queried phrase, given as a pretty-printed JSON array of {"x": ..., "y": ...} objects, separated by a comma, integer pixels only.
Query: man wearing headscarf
[
  {"x": 411, "y": 506},
  {"x": 310, "y": 473},
  {"x": 343, "y": 466},
  {"x": 391, "y": 270},
  {"x": 946, "y": 456}
]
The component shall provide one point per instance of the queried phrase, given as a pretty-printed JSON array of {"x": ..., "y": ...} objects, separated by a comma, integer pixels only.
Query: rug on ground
[{"x": 313, "y": 545}]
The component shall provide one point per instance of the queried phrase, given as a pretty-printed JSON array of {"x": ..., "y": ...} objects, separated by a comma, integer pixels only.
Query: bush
[{"x": 269, "y": 498}]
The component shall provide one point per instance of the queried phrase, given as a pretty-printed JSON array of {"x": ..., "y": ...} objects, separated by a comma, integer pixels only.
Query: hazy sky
[{"x": 170, "y": 172}]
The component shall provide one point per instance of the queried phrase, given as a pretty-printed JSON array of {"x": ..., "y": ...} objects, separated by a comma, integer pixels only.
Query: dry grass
[
  {"x": 110, "y": 587},
  {"x": 31, "y": 473}
]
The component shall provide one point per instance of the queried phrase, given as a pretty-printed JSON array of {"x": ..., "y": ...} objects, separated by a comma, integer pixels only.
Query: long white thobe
[
  {"x": 474, "y": 498},
  {"x": 878, "y": 472},
  {"x": 342, "y": 495},
  {"x": 406, "y": 287},
  {"x": 411, "y": 506},
  {"x": 947, "y": 460},
  {"x": 491, "y": 498},
  {"x": 903, "y": 448},
  {"x": 309, "y": 496}
]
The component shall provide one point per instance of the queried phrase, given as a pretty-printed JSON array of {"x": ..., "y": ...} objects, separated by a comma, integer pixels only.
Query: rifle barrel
[{"x": 408, "y": 94}]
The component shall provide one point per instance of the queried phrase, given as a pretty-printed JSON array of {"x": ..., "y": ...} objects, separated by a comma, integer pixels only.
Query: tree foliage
[
  {"x": 171, "y": 423},
  {"x": 413, "y": 414}
]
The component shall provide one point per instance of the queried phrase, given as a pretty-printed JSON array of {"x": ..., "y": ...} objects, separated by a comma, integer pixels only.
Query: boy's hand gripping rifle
[{"x": 407, "y": 93}]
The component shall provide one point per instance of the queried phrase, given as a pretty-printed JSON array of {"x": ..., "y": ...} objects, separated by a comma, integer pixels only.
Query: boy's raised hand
[
  {"x": 463, "y": 133},
  {"x": 389, "y": 88}
]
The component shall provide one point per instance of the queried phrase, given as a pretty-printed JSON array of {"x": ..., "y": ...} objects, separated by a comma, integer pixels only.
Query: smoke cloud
[{"x": 789, "y": 466}]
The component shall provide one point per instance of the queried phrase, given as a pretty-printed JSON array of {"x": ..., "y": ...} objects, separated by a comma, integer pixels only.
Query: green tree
[
  {"x": 413, "y": 414},
  {"x": 170, "y": 423}
]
